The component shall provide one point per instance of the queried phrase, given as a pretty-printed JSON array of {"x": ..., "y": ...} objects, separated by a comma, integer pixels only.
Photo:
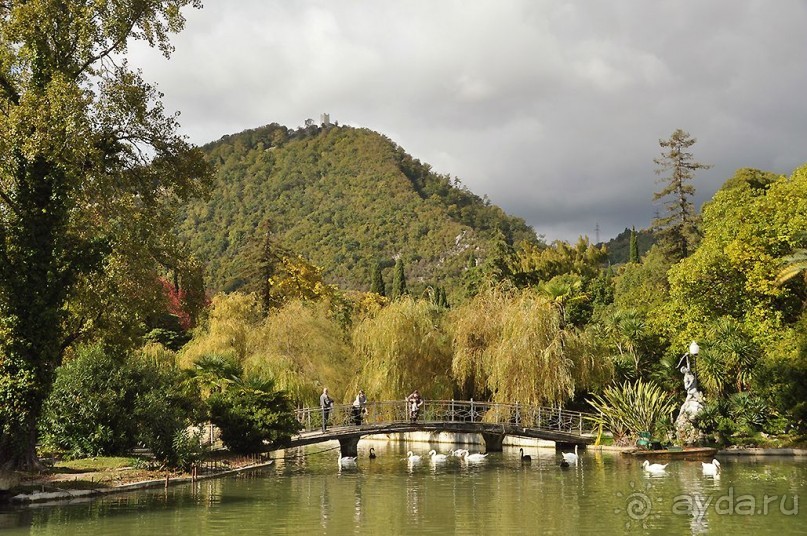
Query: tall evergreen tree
[
  {"x": 90, "y": 175},
  {"x": 270, "y": 262},
  {"x": 677, "y": 229},
  {"x": 377, "y": 281},
  {"x": 399, "y": 281},
  {"x": 633, "y": 255},
  {"x": 472, "y": 277}
]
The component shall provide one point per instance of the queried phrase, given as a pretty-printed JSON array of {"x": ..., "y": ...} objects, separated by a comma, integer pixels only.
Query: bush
[
  {"x": 187, "y": 448},
  {"x": 736, "y": 419},
  {"x": 251, "y": 413},
  {"x": 102, "y": 405},
  {"x": 630, "y": 408},
  {"x": 89, "y": 411}
]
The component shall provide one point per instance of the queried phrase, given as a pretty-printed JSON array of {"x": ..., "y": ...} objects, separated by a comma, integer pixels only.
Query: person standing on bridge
[
  {"x": 326, "y": 403},
  {"x": 414, "y": 402},
  {"x": 358, "y": 407}
]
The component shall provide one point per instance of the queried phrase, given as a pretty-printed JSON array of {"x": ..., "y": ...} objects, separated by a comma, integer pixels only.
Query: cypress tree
[
  {"x": 377, "y": 281},
  {"x": 399, "y": 281},
  {"x": 443, "y": 301},
  {"x": 633, "y": 256}
]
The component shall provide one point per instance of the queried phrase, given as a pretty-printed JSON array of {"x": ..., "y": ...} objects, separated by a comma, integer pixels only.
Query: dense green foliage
[
  {"x": 631, "y": 408},
  {"x": 104, "y": 404},
  {"x": 251, "y": 414},
  {"x": 90, "y": 170},
  {"x": 341, "y": 197}
]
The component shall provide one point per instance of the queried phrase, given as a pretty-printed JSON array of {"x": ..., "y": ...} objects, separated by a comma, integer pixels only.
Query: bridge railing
[{"x": 448, "y": 411}]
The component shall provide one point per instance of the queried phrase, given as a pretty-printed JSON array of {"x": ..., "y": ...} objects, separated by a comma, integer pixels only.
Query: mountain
[{"x": 344, "y": 198}]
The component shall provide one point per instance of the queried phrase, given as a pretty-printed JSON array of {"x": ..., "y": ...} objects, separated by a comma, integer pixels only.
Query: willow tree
[
  {"x": 513, "y": 346},
  {"x": 90, "y": 170},
  {"x": 300, "y": 346},
  {"x": 404, "y": 347}
]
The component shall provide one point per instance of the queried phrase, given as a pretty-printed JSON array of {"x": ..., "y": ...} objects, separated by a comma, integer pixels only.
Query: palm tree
[
  {"x": 562, "y": 290},
  {"x": 727, "y": 361},
  {"x": 626, "y": 329},
  {"x": 796, "y": 264}
]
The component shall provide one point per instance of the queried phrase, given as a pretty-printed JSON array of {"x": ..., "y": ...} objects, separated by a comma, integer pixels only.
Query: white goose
[
  {"x": 654, "y": 467},
  {"x": 412, "y": 457},
  {"x": 570, "y": 457},
  {"x": 459, "y": 453},
  {"x": 476, "y": 457},
  {"x": 711, "y": 469},
  {"x": 436, "y": 457}
]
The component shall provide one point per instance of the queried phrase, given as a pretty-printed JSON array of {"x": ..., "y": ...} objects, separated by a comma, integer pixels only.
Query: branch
[
  {"x": 4, "y": 196},
  {"x": 78, "y": 333},
  {"x": 9, "y": 90},
  {"x": 115, "y": 44}
]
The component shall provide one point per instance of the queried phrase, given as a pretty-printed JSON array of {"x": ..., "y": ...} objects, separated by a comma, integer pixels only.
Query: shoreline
[{"x": 71, "y": 496}]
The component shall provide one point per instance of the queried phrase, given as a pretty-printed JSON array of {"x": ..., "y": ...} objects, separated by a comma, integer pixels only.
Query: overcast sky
[{"x": 553, "y": 109}]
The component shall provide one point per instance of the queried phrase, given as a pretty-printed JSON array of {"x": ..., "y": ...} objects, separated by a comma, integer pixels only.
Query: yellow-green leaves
[{"x": 513, "y": 345}]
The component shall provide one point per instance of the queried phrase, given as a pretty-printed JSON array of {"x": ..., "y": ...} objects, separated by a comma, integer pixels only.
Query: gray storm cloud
[{"x": 552, "y": 109}]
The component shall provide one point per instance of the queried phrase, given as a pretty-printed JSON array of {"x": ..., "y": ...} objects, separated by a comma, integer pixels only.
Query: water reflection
[{"x": 306, "y": 491}]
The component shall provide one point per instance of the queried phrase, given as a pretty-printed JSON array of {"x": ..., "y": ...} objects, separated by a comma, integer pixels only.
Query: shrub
[
  {"x": 89, "y": 411},
  {"x": 630, "y": 408},
  {"x": 251, "y": 413},
  {"x": 102, "y": 404}
]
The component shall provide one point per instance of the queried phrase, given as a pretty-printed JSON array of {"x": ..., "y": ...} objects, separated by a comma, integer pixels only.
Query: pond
[{"x": 308, "y": 493}]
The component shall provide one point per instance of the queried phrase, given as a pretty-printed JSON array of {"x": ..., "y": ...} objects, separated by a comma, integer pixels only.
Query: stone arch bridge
[{"x": 492, "y": 421}]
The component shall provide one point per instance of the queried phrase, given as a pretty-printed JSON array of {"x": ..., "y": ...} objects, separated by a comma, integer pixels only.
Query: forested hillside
[{"x": 343, "y": 198}]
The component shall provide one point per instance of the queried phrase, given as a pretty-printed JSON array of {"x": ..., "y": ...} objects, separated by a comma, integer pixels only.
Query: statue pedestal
[{"x": 685, "y": 430}]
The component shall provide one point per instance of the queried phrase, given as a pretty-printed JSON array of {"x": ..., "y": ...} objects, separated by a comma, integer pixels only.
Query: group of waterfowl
[
  {"x": 709, "y": 468},
  {"x": 436, "y": 457},
  {"x": 462, "y": 454},
  {"x": 569, "y": 458}
]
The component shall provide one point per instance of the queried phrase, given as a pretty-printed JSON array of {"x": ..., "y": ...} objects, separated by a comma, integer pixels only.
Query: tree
[
  {"x": 377, "y": 281},
  {"x": 677, "y": 230},
  {"x": 633, "y": 255},
  {"x": 747, "y": 229},
  {"x": 399, "y": 281},
  {"x": 509, "y": 345},
  {"x": 403, "y": 347},
  {"x": 91, "y": 169}
]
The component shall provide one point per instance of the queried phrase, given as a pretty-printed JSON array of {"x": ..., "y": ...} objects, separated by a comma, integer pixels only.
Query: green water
[{"x": 309, "y": 494}]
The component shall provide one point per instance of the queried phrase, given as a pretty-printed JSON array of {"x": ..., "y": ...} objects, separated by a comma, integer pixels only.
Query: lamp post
[{"x": 693, "y": 351}]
